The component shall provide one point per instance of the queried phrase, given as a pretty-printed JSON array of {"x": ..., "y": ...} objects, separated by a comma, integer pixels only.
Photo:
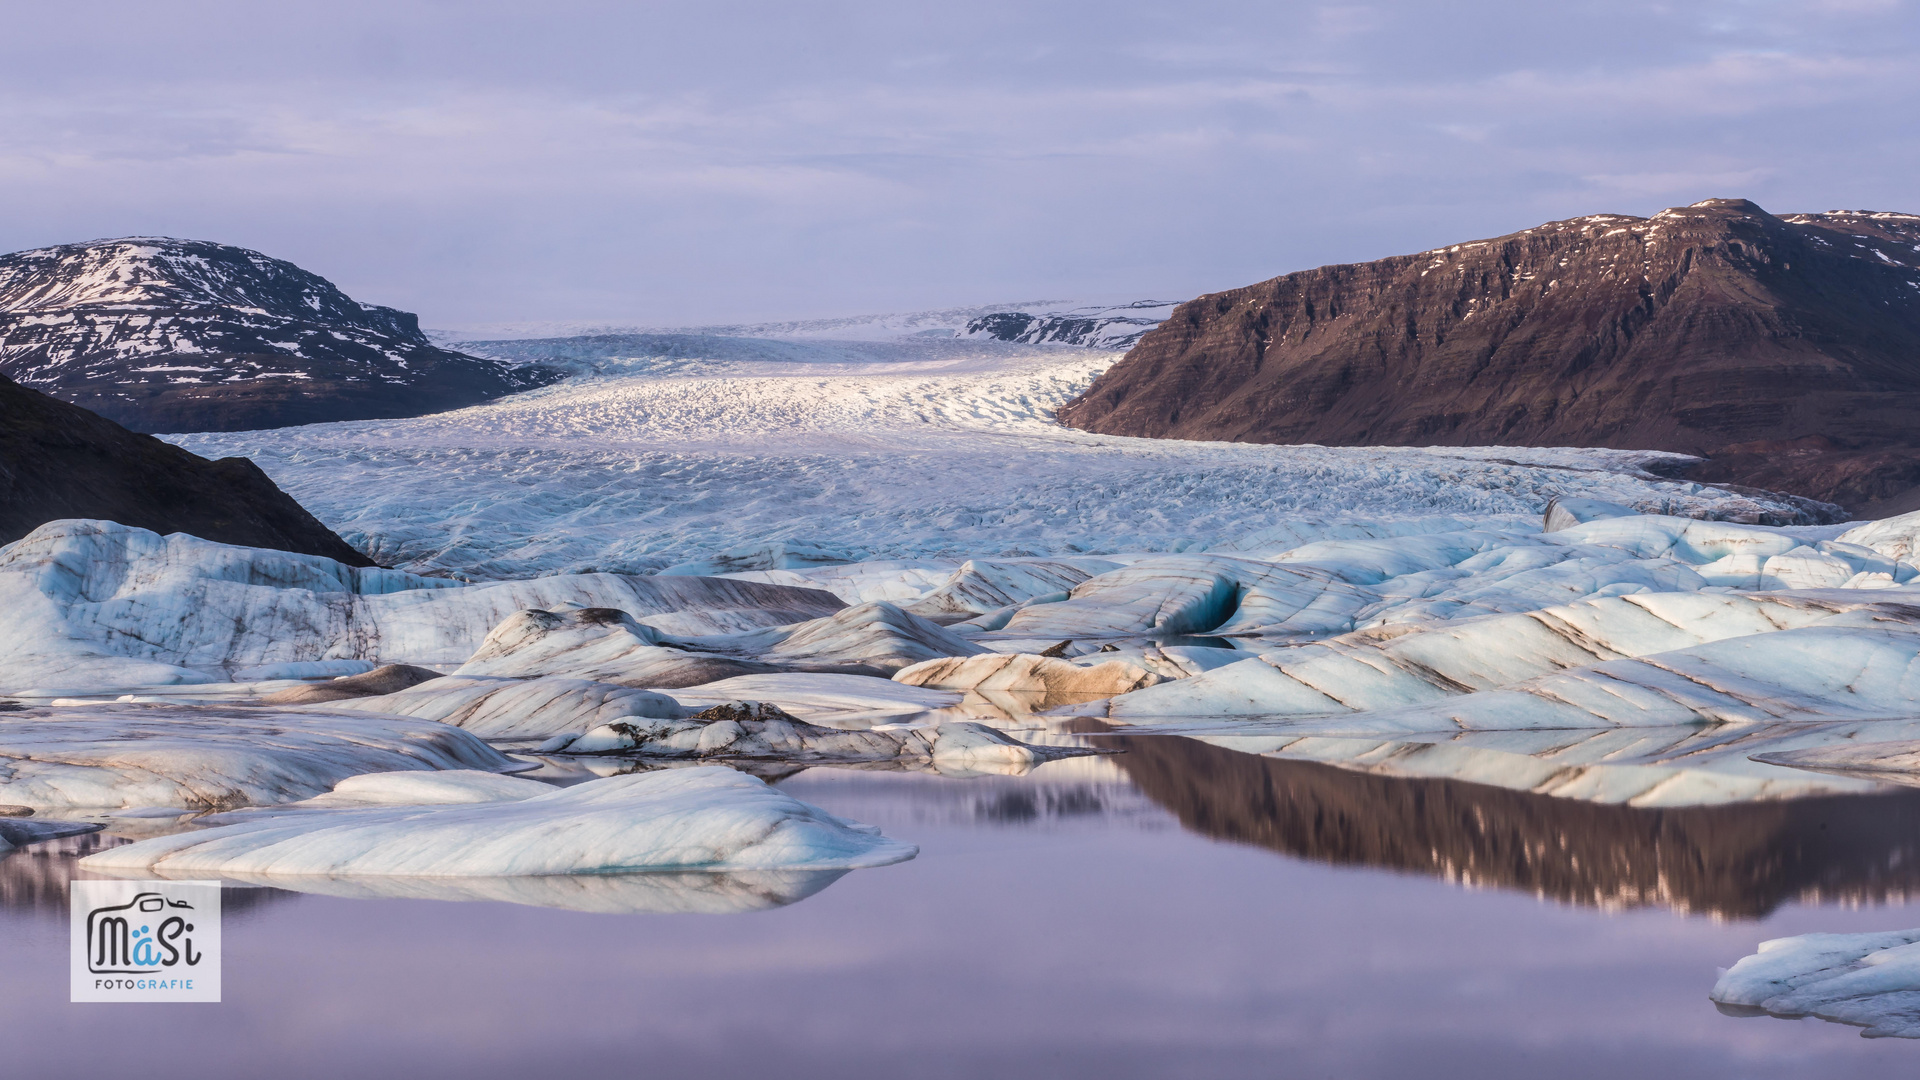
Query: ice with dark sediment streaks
[{"x": 709, "y": 818}]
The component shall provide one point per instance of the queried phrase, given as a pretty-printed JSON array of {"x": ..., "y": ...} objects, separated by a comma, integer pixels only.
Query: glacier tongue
[{"x": 644, "y": 472}]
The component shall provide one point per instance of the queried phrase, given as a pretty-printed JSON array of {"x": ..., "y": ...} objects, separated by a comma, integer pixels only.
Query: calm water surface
[{"x": 1175, "y": 911}]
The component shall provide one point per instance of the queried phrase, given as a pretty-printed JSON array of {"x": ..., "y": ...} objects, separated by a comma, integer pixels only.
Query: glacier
[{"x": 948, "y": 456}]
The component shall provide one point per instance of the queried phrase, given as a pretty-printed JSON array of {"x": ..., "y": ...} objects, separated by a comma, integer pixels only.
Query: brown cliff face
[
  {"x": 1699, "y": 329},
  {"x": 61, "y": 461}
]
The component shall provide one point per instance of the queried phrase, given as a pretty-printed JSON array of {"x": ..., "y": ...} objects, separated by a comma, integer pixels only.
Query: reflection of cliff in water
[
  {"x": 33, "y": 879},
  {"x": 1738, "y": 861}
]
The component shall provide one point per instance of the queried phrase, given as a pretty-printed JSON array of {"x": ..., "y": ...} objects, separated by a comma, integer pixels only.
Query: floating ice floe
[
  {"x": 500, "y": 707},
  {"x": 877, "y": 635},
  {"x": 18, "y": 832},
  {"x": 416, "y": 788},
  {"x": 1871, "y": 981},
  {"x": 599, "y": 644},
  {"x": 760, "y": 730},
  {"x": 705, "y": 818},
  {"x": 1647, "y": 659},
  {"x": 1033, "y": 681},
  {"x": 211, "y": 757},
  {"x": 97, "y": 604},
  {"x": 830, "y": 700},
  {"x": 495, "y": 707},
  {"x": 1338, "y": 586}
]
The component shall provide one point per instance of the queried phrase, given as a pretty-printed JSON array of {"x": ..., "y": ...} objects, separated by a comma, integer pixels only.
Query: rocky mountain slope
[
  {"x": 1787, "y": 349},
  {"x": 61, "y": 461},
  {"x": 185, "y": 335}
]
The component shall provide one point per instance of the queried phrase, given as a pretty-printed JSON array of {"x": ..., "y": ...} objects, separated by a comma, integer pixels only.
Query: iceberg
[
  {"x": 749, "y": 730},
  {"x": 98, "y": 604},
  {"x": 1574, "y": 665},
  {"x": 596, "y": 644},
  {"x": 877, "y": 635},
  {"x": 827, "y": 699},
  {"x": 18, "y": 832},
  {"x": 415, "y": 788},
  {"x": 500, "y": 707},
  {"x": 1871, "y": 981},
  {"x": 1032, "y": 682},
  {"x": 703, "y": 818},
  {"x": 213, "y": 757}
]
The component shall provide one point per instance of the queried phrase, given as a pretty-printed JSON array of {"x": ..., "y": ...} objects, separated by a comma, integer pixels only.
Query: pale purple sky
[{"x": 678, "y": 163}]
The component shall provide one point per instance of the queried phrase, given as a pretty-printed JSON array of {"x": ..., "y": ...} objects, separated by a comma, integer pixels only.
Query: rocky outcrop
[
  {"x": 59, "y": 461},
  {"x": 1787, "y": 349},
  {"x": 184, "y": 335}
]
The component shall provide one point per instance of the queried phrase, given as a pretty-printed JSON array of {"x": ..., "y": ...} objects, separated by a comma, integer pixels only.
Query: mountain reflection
[{"x": 1733, "y": 861}]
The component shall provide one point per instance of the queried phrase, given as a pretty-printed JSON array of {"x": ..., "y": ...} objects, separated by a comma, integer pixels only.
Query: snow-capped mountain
[
  {"x": 186, "y": 335},
  {"x": 1784, "y": 347}
]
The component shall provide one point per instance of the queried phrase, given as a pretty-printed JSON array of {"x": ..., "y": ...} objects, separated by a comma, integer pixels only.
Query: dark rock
[
  {"x": 184, "y": 335},
  {"x": 61, "y": 461},
  {"x": 1716, "y": 329},
  {"x": 743, "y": 711}
]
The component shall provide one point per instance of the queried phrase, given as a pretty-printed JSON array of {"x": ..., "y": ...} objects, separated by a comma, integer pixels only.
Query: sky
[{"x": 673, "y": 163}]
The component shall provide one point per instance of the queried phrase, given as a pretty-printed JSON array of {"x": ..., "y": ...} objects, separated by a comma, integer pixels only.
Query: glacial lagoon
[{"x": 1176, "y": 909}]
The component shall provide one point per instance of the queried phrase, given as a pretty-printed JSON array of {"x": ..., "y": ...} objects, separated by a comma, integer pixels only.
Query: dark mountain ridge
[
  {"x": 61, "y": 461},
  {"x": 1787, "y": 349},
  {"x": 184, "y": 335}
]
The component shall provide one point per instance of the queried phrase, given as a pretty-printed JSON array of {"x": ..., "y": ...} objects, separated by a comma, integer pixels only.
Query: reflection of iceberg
[
  {"x": 1869, "y": 980},
  {"x": 611, "y": 894},
  {"x": 36, "y": 880},
  {"x": 1736, "y": 861}
]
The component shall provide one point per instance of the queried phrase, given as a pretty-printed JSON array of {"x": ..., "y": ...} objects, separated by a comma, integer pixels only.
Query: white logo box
[{"x": 145, "y": 941}]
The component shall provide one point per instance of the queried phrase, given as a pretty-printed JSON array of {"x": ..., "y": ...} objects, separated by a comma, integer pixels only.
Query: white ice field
[
  {"x": 946, "y": 451},
  {"x": 903, "y": 562}
]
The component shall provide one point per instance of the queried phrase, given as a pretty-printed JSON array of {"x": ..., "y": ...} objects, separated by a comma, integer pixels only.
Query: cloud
[{"x": 674, "y": 163}]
